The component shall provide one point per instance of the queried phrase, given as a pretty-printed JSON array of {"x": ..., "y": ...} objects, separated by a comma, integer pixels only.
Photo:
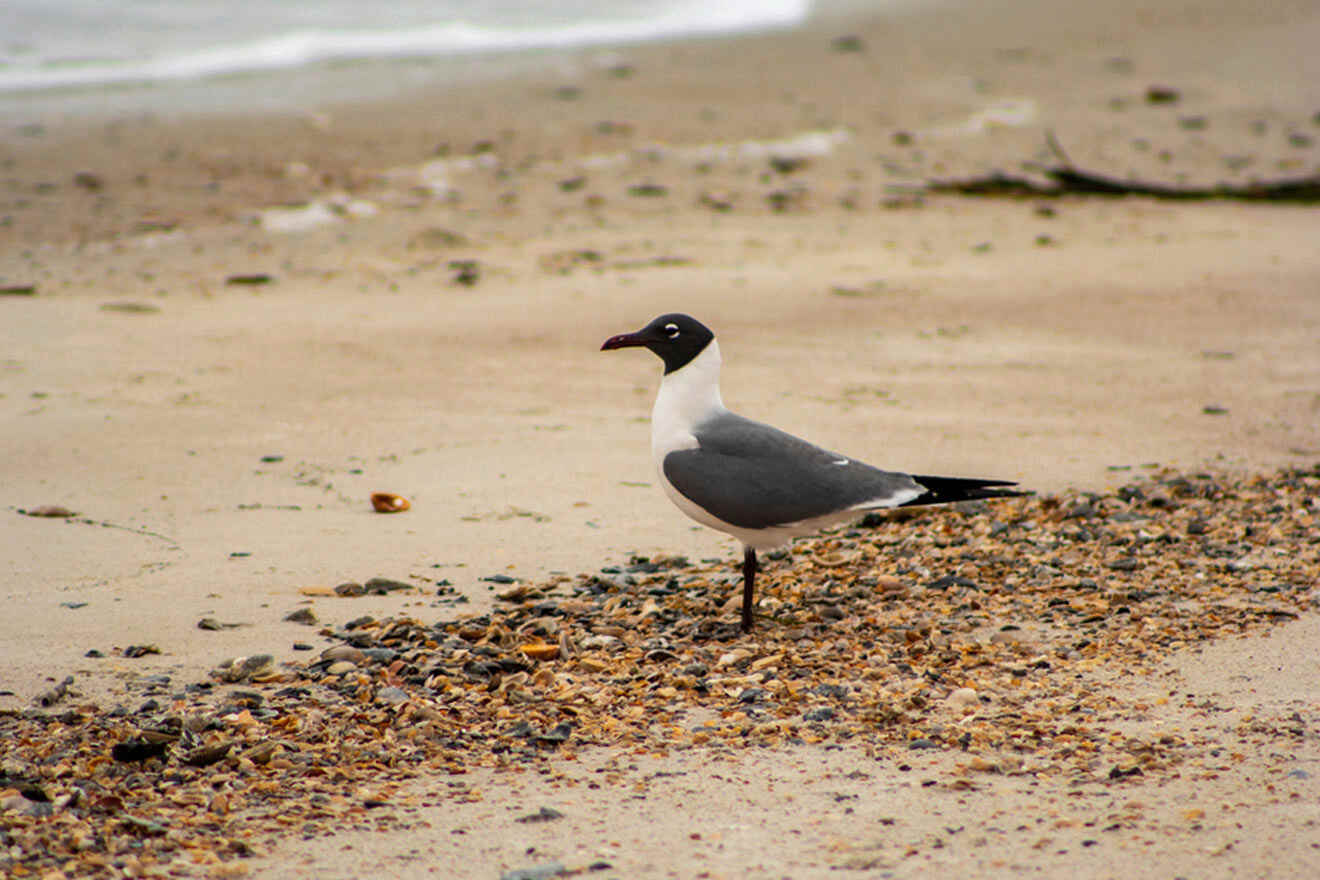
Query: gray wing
[{"x": 754, "y": 476}]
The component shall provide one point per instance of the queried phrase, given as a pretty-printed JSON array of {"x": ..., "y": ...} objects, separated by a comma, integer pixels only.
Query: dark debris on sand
[{"x": 981, "y": 631}]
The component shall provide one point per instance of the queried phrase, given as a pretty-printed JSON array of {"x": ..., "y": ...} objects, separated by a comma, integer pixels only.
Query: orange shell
[
  {"x": 388, "y": 502},
  {"x": 541, "y": 650}
]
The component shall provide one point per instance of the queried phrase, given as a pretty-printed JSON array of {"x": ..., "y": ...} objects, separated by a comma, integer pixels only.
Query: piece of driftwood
[{"x": 1067, "y": 179}]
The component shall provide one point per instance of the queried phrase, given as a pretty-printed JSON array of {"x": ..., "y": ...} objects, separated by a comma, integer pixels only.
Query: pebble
[
  {"x": 543, "y": 871},
  {"x": 302, "y": 615},
  {"x": 339, "y": 667},
  {"x": 245, "y": 668},
  {"x": 545, "y": 814},
  {"x": 379, "y": 586},
  {"x": 344, "y": 652},
  {"x": 963, "y": 698},
  {"x": 886, "y": 583},
  {"x": 591, "y": 643},
  {"x": 391, "y": 696}
]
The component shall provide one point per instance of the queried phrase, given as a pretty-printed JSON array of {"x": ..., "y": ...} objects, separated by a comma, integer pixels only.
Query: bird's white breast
[{"x": 688, "y": 396}]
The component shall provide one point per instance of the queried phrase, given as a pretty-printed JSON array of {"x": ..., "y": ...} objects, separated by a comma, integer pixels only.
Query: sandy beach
[{"x": 224, "y": 331}]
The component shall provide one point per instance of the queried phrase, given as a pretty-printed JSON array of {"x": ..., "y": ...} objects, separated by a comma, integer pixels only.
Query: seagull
[{"x": 753, "y": 481}]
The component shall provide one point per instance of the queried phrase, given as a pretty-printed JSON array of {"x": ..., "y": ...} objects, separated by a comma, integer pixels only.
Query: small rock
[
  {"x": 339, "y": 667},
  {"x": 788, "y": 164},
  {"x": 557, "y": 734},
  {"x": 545, "y": 814},
  {"x": 135, "y": 750},
  {"x": 134, "y": 651},
  {"x": 963, "y": 698},
  {"x": 1117, "y": 772},
  {"x": 951, "y": 580},
  {"x": 350, "y": 590},
  {"x": 303, "y": 615},
  {"x": 543, "y": 871},
  {"x": 831, "y": 691},
  {"x": 1162, "y": 95},
  {"x": 437, "y": 238},
  {"x": 599, "y": 641},
  {"x": 831, "y": 612},
  {"x": 731, "y": 658},
  {"x": 391, "y": 696},
  {"x": 205, "y": 756},
  {"x": 245, "y": 668},
  {"x": 89, "y": 181},
  {"x": 55, "y": 694},
  {"x": 379, "y": 586},
  {"x": 213, "y": 625},
  {"x": 716, "y": 200},
  {"x": 344, "y": 652},
  {"x": 652, "y": 190},
  {"x": 249, "y": 279},
  {"x": 466, "y": 272}
]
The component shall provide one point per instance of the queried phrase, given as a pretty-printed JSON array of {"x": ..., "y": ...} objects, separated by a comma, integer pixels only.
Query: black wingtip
[{"x": 950, "y": 490}]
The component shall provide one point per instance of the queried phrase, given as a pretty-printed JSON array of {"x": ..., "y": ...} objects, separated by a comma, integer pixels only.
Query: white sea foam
[{"x": 50, "y": 58}]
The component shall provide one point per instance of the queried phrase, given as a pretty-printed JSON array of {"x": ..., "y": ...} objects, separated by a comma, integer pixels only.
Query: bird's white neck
[{"x": 687, "y": 397}]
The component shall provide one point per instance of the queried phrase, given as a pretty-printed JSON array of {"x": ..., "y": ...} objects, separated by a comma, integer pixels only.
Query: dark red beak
[{"x": 623, "y": 340}]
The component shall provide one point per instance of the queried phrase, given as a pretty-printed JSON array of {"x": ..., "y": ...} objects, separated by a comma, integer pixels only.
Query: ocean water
[{"x": 70, "y": 45}]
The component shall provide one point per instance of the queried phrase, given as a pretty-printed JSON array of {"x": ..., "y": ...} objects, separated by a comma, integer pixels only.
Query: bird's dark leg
[{"x": 749, "y": 579}]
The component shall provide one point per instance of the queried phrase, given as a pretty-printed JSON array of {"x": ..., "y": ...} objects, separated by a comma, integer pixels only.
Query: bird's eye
[{"x": 671, "y": 330}]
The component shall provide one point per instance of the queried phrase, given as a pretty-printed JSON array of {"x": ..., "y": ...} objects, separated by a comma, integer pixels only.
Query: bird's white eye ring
[{"x": 672, "y": 330}]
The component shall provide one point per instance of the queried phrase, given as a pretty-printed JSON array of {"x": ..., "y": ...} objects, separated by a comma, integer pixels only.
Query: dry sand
[{"x": 1071, "y": 347}]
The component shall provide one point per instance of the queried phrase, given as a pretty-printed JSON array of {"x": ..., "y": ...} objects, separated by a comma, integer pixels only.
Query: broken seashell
[
  {"x": 541, "y": 650},
  {"x": 388, "y": 502}
]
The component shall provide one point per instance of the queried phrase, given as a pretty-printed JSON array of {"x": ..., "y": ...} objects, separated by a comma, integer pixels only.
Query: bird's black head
[{"x": 676, "y": 339}]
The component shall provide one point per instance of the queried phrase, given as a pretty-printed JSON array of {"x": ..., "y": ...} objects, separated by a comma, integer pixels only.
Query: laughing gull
[{"x": 754, "y": 482}]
